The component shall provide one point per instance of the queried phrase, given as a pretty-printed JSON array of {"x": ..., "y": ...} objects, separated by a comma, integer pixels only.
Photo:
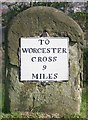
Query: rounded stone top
[{"x": 33, "y": 21}]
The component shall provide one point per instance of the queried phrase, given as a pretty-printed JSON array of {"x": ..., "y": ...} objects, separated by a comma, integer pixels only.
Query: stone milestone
[{"x": 53, "y": 97}]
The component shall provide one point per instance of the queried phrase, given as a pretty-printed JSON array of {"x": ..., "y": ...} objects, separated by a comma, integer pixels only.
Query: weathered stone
[
  {"x": 55, "y": 97},
  {"x": 33, "y": 21}
]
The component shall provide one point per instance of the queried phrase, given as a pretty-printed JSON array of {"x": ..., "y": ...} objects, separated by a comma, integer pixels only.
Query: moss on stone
[
  {"x": 33, "y": 21},
  {"x": 53, "y": 97}
]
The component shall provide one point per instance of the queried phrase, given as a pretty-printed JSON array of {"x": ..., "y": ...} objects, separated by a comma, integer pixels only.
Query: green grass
[
  {"x": 0, "y": 97},
  {"x": 83, "y": 112}
]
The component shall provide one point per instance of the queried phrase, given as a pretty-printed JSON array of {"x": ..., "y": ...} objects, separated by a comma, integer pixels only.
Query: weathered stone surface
[
  {"x": 55, "y": 97},
  {"x": 33, "y": 21}
]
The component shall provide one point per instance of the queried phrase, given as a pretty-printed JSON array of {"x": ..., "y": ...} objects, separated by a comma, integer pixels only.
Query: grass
[
  {"x": 0, "y": 97},
  {"x": 83, "y": 113}
]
